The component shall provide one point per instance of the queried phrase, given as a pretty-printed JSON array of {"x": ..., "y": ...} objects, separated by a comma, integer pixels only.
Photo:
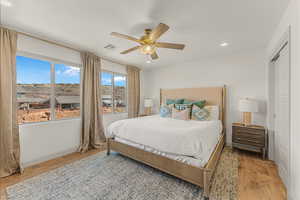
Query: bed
[{"x": 150, "y": 141}]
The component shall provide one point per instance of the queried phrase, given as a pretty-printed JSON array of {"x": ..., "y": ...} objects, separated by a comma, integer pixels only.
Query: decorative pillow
[
  {"x": 200, "y": 103},
  {"x": 183, "y": 106},
  {"x": 174, "y": 101},
  {"x": 206, "y": 113},
  {"x": 200, "y": 114},
  {"x": 166, "y": 110},
  {"x": 214, "y": 112},
  {"x": 181, "y": 114}
]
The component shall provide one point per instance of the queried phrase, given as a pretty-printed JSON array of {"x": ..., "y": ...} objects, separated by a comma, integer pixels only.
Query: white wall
[
  {"x": 46, "y": 140},
  {"x": 291, "y": 19},
  {"x": 243, "y": 74},
  {"x": 114, "y": 67},
  {"x": 44, "y": 49}
]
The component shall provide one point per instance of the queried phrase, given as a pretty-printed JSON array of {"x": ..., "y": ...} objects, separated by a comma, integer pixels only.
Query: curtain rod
[{"x": 57, "y": 44}]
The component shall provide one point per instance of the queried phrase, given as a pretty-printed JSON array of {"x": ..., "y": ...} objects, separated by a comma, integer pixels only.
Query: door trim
[{"x": 285, "y": 40}]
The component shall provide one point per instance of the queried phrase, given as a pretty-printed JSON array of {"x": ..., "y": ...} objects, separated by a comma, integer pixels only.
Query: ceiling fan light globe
[{"x": 148, "y": 49}]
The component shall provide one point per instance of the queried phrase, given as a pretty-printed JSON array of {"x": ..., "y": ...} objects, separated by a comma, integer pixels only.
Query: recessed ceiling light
[
  {"x": 148, "y": 61},
  {"x": 224, "y": 44},
  {"x": 5, "y": 3}
]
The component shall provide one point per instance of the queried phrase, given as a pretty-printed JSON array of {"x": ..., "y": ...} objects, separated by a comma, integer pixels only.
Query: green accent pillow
[
  {"x": 174, "y": 101},
  {"x": 200, "y": 104}
]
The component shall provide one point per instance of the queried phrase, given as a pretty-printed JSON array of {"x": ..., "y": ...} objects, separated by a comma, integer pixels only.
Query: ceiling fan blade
[
  {"x": 169, "y": 45},
  {"x": 154, "y": 56},
  {"x": 125, "y": 37},
  {"x": 131, "y": 49},
  {"x": 158, "y": 31}
]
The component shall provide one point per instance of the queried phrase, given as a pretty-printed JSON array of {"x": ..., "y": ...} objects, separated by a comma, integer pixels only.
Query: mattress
[
  {"x": 191, "y": 142},
  {"x": 184, "y": 159}
]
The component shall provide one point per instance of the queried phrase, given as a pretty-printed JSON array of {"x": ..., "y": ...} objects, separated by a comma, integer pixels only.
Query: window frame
[
  {"x": 52, "y": 62},
  {"x": 113, "y": 89}
]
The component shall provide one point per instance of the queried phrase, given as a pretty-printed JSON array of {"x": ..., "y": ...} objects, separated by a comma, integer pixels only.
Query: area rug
[{"x": 115, "y": 177}]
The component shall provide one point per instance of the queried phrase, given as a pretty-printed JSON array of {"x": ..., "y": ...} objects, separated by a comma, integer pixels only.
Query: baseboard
[
  {"x": 228, "y": 143},
  {"x": 291, "y": 194},
  {"x": 49, "y": 157},
  {"x": 271, "y": 146},
  {"x": 290, "y": 197}
]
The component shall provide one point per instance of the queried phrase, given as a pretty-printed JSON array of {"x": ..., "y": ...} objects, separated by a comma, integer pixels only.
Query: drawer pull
[
  {"x": 250, "y": 132},
  {"x": 249, "y": 140}
]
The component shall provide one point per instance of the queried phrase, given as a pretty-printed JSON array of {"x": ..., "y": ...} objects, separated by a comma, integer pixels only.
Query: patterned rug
[{"x": 101, "y": 177}]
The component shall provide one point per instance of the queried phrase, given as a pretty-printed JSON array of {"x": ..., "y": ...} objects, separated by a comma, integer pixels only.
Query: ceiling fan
[{"x": 147, "y": 43}]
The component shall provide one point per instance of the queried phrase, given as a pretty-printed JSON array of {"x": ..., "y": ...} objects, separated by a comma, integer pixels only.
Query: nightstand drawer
[
  {"x": 247, "y": 147},
  {"x": 248, "y": 135},
  {"x": 249, "y": 141},
  {"x": 244, "y": 130}
]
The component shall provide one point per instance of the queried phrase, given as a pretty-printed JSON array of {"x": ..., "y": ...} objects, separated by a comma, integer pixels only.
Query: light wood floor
[{"x": 258, "y": 179}]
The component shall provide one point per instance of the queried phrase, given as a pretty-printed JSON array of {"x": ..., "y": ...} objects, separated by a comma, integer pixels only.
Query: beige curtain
[
  {"x": 9, "y": 130},
  {"x": 92, "y": 131},
  {"x": 133, "y": 74}
]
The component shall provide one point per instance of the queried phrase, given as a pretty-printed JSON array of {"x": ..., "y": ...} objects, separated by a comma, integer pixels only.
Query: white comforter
[{"x": 188, "y": 138}]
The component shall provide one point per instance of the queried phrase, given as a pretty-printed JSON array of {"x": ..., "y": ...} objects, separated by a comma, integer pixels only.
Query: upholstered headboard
[{"x": 212, "y": 95}]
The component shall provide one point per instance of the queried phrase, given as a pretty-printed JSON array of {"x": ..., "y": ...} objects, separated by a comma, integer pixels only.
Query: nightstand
[{"x": 250, "y": 138}]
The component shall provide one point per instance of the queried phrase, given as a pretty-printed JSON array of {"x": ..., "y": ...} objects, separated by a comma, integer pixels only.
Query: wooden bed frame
[{"x": 201, "y": 177}]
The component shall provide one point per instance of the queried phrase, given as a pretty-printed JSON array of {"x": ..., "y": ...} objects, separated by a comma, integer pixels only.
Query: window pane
[
  {"x": 120, "y": 93},
  {"x": 107, "y": 90},
  {"x": 67, "y": 91},
  {"x": 33, "y": 90}
]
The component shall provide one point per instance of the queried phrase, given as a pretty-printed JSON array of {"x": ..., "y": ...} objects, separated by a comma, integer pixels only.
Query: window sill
[
  {"x": 67, "y": 119},
  {"x": 113, "y": 114},
  {"x": 49, "y": 122}
]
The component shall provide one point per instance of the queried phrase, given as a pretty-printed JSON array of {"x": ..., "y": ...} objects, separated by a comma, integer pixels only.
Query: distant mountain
[{"x": 40, "y": 90}]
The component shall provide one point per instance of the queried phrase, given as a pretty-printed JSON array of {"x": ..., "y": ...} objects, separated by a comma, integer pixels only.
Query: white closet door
[{"x": 282, "y": 114}]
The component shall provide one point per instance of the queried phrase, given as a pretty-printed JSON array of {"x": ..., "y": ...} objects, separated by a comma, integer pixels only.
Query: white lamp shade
[
  {"x": 248, "y": 105},
  {"x": 148, "y": 103}
]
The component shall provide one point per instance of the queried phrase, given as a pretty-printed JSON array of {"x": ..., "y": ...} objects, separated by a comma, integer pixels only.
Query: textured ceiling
[{"x": 200, "y": 24}]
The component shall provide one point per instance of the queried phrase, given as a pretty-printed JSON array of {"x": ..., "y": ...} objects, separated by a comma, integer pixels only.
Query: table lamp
[
  {"x": 148, "y": 103},
  {"x": 247, "y": 106}
]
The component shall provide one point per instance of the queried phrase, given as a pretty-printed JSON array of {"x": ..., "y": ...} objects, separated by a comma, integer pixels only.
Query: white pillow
[
  {"x": 181, "y": 114},
  {"x": 213, "y": 112}
]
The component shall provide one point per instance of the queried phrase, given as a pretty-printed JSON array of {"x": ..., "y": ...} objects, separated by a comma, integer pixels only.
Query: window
[
  {"x": 107, "y": 91},
  {"x": 46, "y": 91},
  {"x": 67, "y": 91},
  {"x": 119, "y": 93},
  {"x": 113, "y": 87},
  {"x": 33, "y": 90}
]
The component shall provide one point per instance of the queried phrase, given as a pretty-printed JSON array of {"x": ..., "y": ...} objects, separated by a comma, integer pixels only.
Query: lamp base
[
  {"x": 247, "y": 118},
  {"x": 148, "y": 110}
]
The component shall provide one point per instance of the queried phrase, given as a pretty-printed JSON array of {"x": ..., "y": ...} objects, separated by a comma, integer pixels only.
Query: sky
[
  {"x": 35, "y": 71},
  {"x": 32, "y": 71},
  {"x": 106, "y": 79}
]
